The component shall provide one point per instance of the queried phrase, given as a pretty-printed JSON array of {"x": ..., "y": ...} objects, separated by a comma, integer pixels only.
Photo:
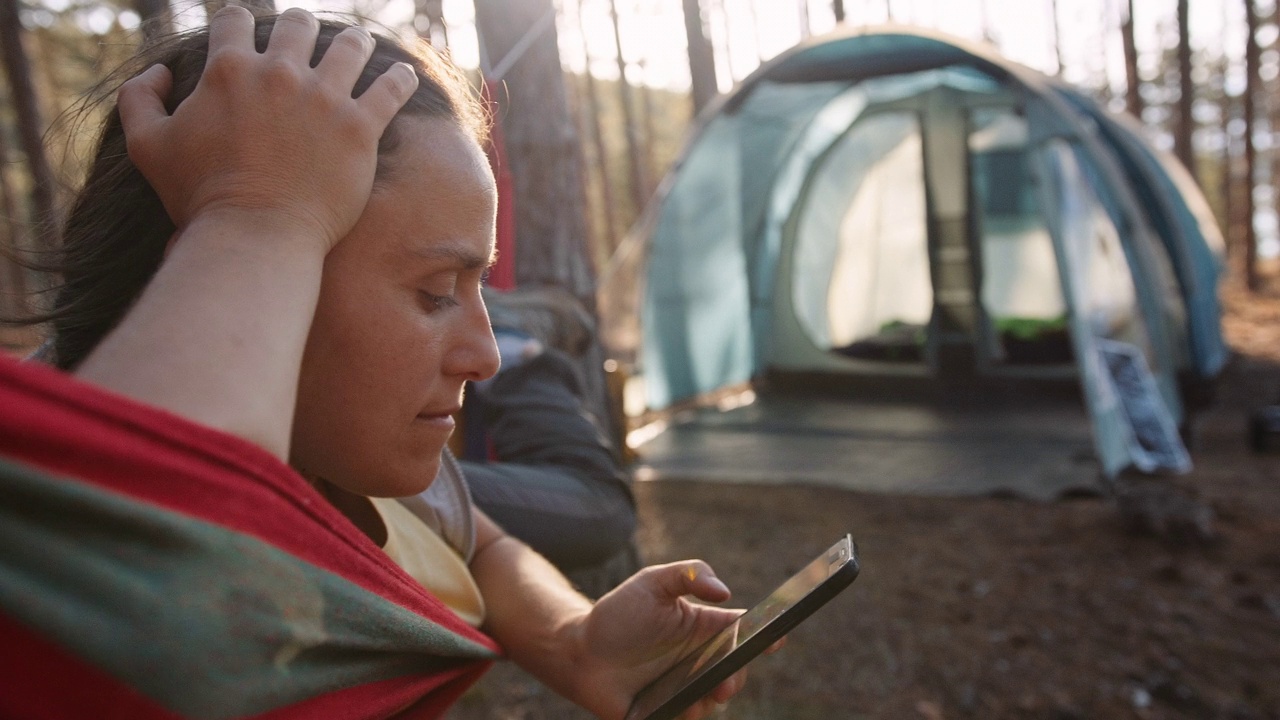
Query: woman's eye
[{"x": 434, "y": 302}]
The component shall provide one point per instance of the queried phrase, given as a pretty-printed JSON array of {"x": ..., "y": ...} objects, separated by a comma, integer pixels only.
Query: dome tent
[{"x": 898, "y": 204}]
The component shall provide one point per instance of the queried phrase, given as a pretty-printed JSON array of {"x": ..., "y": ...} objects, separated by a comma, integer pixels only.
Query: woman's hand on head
[
  {"x": 265, "y": 138},
  {"x": 643, "y": 627}
]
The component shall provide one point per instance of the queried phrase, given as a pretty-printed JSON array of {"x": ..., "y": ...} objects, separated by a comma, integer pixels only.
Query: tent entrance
[
  {"x": 918, "y": 246},
  {"x": 1021, "y": 301},
  {"x": 868, "y": 294}
]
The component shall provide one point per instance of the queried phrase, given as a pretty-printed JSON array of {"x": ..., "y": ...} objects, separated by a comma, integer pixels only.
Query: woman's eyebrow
[{"x": 464, "y": 258}]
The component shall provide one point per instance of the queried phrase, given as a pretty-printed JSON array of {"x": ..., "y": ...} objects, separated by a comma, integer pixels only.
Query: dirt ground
[{"x": 1002, "y": 608}]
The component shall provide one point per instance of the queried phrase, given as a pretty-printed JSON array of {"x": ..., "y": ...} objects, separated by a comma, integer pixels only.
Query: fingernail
[
  {"x": 718, "y": 583},
  {"x": 408, "y": 69}
]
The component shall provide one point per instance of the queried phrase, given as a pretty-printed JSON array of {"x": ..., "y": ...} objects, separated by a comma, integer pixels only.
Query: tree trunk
[
  {"x": 1228, "y": 172},
  {"x": 519, "y": 45},
  {"x": 1133, "y": 83},
  {"x": 639, "y": 178},
  {"x": 702, "y": 59},
  {"x": 1184, "y": 121},
  {"x": 156, "y": 17},
  {"x": 1103, "y": 55},
  {"x": 1251, "y": 91},
  {"x": 757, "y": 35},
  {"x": 1272, "y": 111},
  {"x": 577, "y": 110},
  {"x": 837, "y": 8},
  {"x": 13, "y": 280},
  {"x": 728, "y": 36},
  {"x": 541, "y": 145},
  {"x": 591, "y": 109},
  {"x": 647, "y": 112},
  {"x": 1057, "y": 35},
  {"x": 26, "y": 110},
  {"x": 429, "y": 23},
  {"x": 988, "y": 34}
]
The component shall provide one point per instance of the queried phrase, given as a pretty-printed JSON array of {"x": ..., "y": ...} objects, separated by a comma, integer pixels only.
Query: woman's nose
[{"x": 475, "y": 355}]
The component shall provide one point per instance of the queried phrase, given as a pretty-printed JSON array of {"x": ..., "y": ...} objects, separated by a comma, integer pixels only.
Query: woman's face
[{"x": 400, "y": 325}]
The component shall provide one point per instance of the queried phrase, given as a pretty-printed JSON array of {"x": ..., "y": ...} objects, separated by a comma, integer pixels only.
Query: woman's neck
[{"x": 357, "y": 508}]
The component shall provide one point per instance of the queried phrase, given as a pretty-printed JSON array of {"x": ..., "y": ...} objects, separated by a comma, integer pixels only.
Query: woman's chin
[
  {"x": 408, "y": 477},
  {"x": 405, "y": 484}
]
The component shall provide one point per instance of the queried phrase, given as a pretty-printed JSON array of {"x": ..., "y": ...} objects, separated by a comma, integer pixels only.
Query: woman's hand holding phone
[
  {"x": 685, "y": 684},
  {"x": 642, "y": 627}
]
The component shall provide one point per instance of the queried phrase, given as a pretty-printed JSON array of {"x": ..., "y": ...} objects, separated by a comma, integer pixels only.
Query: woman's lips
[{"x": 439, "y": 417}]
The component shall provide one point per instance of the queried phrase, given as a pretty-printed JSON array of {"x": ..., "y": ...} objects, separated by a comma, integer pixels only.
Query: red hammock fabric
[{"x": 151, "y": 567}]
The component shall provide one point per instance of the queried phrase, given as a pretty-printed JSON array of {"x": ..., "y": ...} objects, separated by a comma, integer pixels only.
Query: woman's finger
[
  {"x": 231, "y": 28},
  {"x": 346, "y": 57},
  {"x": 723, "y": 692},
  {"x": 690, "y": 577},
  {"x": 389, "y": 92},
  {"x": 294, "y": 36},
  {"x": 701, "y": 709},
  {"x": 141, "y": 105}
]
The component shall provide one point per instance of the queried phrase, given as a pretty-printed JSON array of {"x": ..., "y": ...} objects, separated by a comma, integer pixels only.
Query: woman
[{"x": 317, "y": 293}]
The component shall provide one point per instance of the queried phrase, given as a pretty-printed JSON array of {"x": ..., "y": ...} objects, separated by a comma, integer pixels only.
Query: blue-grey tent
[{"x": 902, "y": 204}]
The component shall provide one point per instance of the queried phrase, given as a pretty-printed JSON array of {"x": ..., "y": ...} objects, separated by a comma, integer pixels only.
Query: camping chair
[{"x": 155, "y": 568}]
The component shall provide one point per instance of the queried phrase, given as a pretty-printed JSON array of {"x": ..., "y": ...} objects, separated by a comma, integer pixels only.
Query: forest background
[
  {"x": 968, "y": 607},
  {"x": 597, "y": 96}
]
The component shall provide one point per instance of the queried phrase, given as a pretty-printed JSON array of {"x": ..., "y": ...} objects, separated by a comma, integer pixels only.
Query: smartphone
[{"x": 697, "y": 673}]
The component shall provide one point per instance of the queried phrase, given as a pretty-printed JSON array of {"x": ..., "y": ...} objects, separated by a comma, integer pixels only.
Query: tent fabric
[
  {"x": 1103, "y": 314},
  {"x": 154, "y": 568},
  {"x": 1035, "y": 210},
  {"x": 1183, "y": 221}
]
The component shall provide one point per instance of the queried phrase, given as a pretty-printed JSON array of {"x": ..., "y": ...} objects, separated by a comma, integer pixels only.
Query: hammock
[{"x": 155, "y": 568}]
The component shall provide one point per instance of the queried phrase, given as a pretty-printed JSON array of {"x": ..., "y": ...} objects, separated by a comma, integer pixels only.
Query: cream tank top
[{"x": 432, "y": 537}]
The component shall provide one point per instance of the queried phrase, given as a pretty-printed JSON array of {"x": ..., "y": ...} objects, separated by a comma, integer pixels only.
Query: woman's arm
[
  {"x": 217, "y": 336},
  {"x": 265, "y": 167},
  {"x": 598, "y": 655}
]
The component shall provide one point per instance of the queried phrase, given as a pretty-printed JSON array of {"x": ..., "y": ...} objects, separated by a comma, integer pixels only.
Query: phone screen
[{"x": 741, "y": 631}]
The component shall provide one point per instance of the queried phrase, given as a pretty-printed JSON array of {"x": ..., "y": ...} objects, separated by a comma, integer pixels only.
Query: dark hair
[{"x": 116, "y": 232}]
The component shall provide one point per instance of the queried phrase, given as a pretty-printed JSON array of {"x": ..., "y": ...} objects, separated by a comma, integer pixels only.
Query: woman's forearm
[
  {"x": 531, "y": 609},
  {"x": 218, "y": 335}
]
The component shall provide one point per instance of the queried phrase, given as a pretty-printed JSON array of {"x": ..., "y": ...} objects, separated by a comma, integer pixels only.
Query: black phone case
[{"x": 768, "y": 635}]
